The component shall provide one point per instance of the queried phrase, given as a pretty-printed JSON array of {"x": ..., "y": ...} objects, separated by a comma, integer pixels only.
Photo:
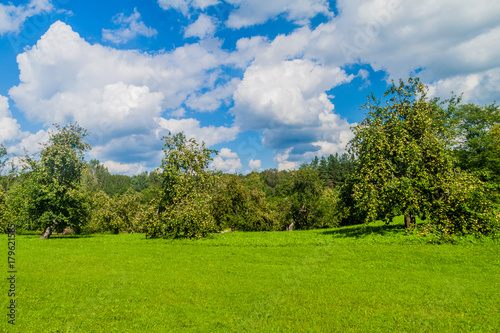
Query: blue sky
[{"x": 269, "y": 84}]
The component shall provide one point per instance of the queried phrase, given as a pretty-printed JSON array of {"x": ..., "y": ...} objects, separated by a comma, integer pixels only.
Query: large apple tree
[{"x": 405, "y": 166}]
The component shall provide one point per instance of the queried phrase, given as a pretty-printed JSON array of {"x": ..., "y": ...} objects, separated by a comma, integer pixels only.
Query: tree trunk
[
  {"x": 47, "y": 232},
  {"x": 409, "y": 220},
  {"x": 232, "y": 228},
  {"x": 290, "y": 227}
]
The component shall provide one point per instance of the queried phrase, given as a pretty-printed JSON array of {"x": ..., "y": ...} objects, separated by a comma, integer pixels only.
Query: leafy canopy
[
  {"x": 400, "y": 151},
  {"x": 184, "y": 205},
  {"x": 406, "y": 166},
  {"x": 52, "y": 188}
]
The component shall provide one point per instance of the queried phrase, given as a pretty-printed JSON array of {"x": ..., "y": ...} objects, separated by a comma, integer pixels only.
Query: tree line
[{"x": 420, "y": 157}]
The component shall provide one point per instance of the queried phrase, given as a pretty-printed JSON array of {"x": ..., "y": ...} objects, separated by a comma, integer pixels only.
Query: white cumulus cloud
[
  {"x": 130, "y": 28},
  {"x": 252, "y": 12},
  {"x": 129, "y": 169},
  {"x": 123, "y": 97},
  {"x": 211, "y": 135},
  {"x": 440, "y": 41},
  {"x": 204, "y": 26},
  {"x": 254, "y": 164},
  {"x": 289, "y": 103},
  {"x": 226, "y": 161},
  {"x": 13, "y": 17},
  {"x": 184, "y": 6},
  {"x": 9, "y": 128}
]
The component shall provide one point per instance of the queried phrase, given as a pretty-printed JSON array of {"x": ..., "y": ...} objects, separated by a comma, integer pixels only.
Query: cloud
[
  {"x": 129, "y": 169},
  {"x": 290, "y": 93},
  {"x": 288, "y": 102},
  {"x": 9, "y": 128},
  {"x": 211, "y": 135},
  {"x": 63, "y": 76},
  {"x": 130, "y": 28},
  {"x": 13, "y": 17},
  {"x": 247, "y": 13},
  {"x": 30, "y": 143},
  {"x": 184, "y": 6},
  {"x": 204, "y": 26},
  {"x": 226, "y": 161},
  {"x": 254, "y": 164},
  {"x": 130, "y": 149},
  {"x": 252, "y": 12},
  {"x": 400, "y": 37},
  {"x": 479, "y": 88},
  {"x": 282, "y": 160},
  {"x": 212, "y": 100},
  {"x": 123, "y": 97}
]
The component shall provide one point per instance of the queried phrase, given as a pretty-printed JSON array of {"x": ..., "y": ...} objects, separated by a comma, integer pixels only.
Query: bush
[
  {"x": 189, "y": 218},
  {"x": 330, "y": 210},
  {"x": 124, "y": 213},
  {"x": 4, "y": 223},
  {"x": 300, "y": 196},
  {"x": 247, "y": 210}
]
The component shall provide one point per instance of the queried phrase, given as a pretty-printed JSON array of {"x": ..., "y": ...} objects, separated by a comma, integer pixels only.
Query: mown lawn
[{"x": 358, "y": 279}]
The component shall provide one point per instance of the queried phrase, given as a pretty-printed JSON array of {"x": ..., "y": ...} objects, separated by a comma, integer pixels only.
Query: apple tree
[
  {"x": 405, "y": 166},
  {"x": 52, "y": 190}
]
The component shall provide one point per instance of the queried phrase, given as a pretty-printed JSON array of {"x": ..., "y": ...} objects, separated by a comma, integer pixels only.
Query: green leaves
[
  {"x": 50, "y": 195},
  {"x": 476, "y": 138},
  {"x": 405, "y": 166},
  {"x": 184, "y": 204}
]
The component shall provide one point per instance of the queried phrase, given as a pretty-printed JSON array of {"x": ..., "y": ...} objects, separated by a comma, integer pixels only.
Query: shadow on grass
[
  {"x": 69, "y": 236},
  {"x": 365, "y": 230},
  {"x": 37, "y": 235}
]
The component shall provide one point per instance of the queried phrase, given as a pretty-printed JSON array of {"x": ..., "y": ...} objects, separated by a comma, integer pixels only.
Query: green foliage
[
  {"x": 334, "y": 169},
  {"x": 476, "y": 131},
  {"x": 4, "y": 221},
  {"x": 94, "y": 175},
  {"x": 190, "y": 217},
  {"x": 245, "y": 208},
  {"x": 330, "y": 208},
  {"x": 405, "y": 166},
  {"x": 3, "y": 157},
  {"x": 184, "y": 168},
  {"x": 229, "y": 202},
  {"x": 461, "y": 204},
  {"x": 97, "y": 177},
  {"x": 272, "y": 179},
  {"x": 301, "y": 194},
  {"x": 125, "y": 213},
  {"x": 184, "y": 205},
  {"x": 140, "y": 182},
  {"x": 351, "y": 212},
  {"x": 50, "y": 196}
]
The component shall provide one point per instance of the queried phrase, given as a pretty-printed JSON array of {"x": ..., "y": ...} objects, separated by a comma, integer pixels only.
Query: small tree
[
  {"x": 184, "y": 206},
  {"x": 52, "y": 188}
]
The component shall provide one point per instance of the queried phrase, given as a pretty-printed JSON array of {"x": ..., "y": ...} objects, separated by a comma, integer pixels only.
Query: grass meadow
[{"x": 371, "y": 278}]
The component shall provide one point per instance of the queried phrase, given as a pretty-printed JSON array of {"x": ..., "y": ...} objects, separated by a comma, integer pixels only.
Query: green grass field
[{"x": 358, "y": 279}]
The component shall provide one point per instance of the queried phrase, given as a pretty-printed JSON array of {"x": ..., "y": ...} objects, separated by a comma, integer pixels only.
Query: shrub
[{"x": 191, "y": 217}]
